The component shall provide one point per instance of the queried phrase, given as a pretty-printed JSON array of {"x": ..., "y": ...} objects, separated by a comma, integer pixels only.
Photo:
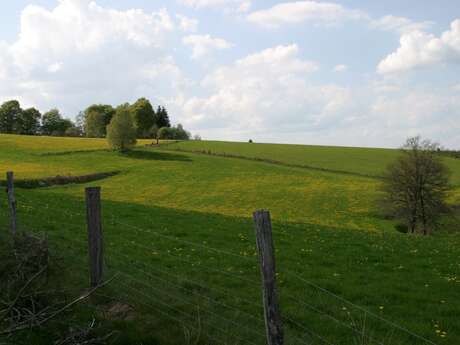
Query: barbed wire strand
[
  {"x": 334, "y": 319},
  {"x": 401, "y": 328},
  {"x": 161, "y": 291},
  {"x": 196, "y": 293},
  {"x": 151, "y": 306},
  {"x": 254, "y": 283},
  {"x": 172, "y": 308}
]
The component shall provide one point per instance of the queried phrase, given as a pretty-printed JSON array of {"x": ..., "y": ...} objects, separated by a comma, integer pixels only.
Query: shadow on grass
[
  {"x": 188, "y": 245},
  {"x": 155, "y": 155}
]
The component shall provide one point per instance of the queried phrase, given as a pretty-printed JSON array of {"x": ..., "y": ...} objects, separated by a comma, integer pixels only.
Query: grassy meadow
[{"x": 177, "y": 225}]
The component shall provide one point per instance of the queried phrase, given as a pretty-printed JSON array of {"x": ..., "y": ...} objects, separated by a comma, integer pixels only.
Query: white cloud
[
  {"x": 340, "y": 68},
  {"x": 302, "y": 11},
  {"x": 186, "y": 23},
  {"x": 79, "y": 53},
  {"x": 399, "y": 24},
  {"x": 236, "y": 5},
  {"x": 420, "y": 49},
  {"x": 266, "y": 91},
  {"x": 431, "y": 112},
  {"x": 203, "y": 45},
  {"x": 55, "y": 67},
  {"x": 329, "y": 13},
  {"x": 271, "y": 95}
]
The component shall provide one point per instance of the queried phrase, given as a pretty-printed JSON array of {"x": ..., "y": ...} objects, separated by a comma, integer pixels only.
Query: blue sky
[{"x": 356, "y": 73}]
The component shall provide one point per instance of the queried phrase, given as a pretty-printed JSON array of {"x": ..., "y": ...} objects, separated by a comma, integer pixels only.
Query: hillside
[
  {"x": 177, "y": 226},
  {"x": 353, "y": 160}
]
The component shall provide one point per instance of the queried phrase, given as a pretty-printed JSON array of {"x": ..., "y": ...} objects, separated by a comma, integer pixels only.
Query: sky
[{"x": 349, "y": 72}]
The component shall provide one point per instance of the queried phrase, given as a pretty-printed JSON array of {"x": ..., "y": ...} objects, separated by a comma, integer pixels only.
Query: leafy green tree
[
  {"x": 54, "y": 124},
  {"x": 162, "y": 118},
  {"x": 73, "y": 131},
  {"x": 28, "y": 122},
  {"x": 10, "y": 111},
  {"x": 416, "y": 186},
  {"x": 166, "y": 133},
  {"x": 181, "y": 133},
  {"x": 97, "y": 117},
  {"x": 121, "y": 132},
  {"x": 173, "y": 133},
  {"x": 80, "y": 122},
  {"x": 154, "y": 133},
  {"x": 143, "y": 116}
]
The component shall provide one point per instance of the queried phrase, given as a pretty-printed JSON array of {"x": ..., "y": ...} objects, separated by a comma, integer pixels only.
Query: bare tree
[{"x": 416, "y": 186}]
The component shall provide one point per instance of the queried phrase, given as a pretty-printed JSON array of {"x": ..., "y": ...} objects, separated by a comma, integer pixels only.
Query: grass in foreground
[{"x": 166, "y": 211}]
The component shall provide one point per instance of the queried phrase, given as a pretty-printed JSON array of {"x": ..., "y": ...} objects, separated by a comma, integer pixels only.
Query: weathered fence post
[
  {"x": 273, "y": 323},
  {"x": 11, "y": 201},
  {"x": 95, "y": 241}
]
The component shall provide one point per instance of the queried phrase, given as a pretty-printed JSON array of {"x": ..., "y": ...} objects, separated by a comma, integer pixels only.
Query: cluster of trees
[
  {"x": 93, "y": 122},
  {"x": 146, "y": 120},
  {"x": 416, "y": 186},
  {"x": 15, "y": 120}
]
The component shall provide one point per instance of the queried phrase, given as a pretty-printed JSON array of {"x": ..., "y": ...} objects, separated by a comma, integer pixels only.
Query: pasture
[{"x": 177, "y": 225}]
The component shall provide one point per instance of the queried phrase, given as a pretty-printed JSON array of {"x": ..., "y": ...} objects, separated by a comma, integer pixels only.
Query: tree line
[{"x": 92, "y": 122}]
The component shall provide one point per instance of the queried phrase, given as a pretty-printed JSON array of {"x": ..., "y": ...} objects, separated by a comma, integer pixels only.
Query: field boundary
[
  {"x": 60, "y": 180},
  {"x": 269, "y": 161},
  {"x": 64, "y": 153}
]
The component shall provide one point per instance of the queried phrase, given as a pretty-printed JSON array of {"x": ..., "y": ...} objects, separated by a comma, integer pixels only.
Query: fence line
[
  {"x": 188, "y": 302},
  {"x": 403, "y": 329},
  {"x": 201, "y": 265},
  {"x": 185, "y": 279},
  {"x": 324, "y": 340},
  {"x": 219, "y": 251},
  {"x": 84, "y": 244},
  {"x": 172, "y": 308},
  {"x": 155, "y": 233},
  {"x": 269, "y": 289},
  {"x": 335, "y": 320}
]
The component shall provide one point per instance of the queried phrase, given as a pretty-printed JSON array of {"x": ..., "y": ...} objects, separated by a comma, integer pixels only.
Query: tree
[
  {"x": 154, "y": 133},
  {"x": 10, "y": 111},
  {"x": 162, "y": 118},
  {"x": 143, "y": 116},
  {"x": 173, "y": 133},
  {"x": 80, "y": 122},
  {"x": 73, "y": 131},
  {"x": 121, "y": 132},
  {"x": 54, "y": 124},
  {"x": 166, "y": 133},
  {"x": 416, "y": 185},
  {"x": 181, "y": 133},
  {"x": 28, "y": 122},
  {"x": 97, "y": 117}
]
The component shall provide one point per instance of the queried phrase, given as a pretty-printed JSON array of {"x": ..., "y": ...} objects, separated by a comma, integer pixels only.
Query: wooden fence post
[
  {"x": 95, "y": 241},
  {"x": 11, "y": 201},
  {"x": 273, "y": 323}
]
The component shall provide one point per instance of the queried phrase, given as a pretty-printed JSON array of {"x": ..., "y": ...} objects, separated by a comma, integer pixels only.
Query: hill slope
[{"x": 177, "y": 226}]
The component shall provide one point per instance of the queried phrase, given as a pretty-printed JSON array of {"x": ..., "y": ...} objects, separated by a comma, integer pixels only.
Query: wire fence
[{"x": 197, "y": 291}]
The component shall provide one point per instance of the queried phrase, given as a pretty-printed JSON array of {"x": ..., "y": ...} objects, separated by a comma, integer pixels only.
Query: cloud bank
[{"x": 420, "y": 49}]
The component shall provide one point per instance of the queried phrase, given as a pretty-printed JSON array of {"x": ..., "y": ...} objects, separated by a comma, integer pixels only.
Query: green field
[{"x": 178, "y": 226}]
